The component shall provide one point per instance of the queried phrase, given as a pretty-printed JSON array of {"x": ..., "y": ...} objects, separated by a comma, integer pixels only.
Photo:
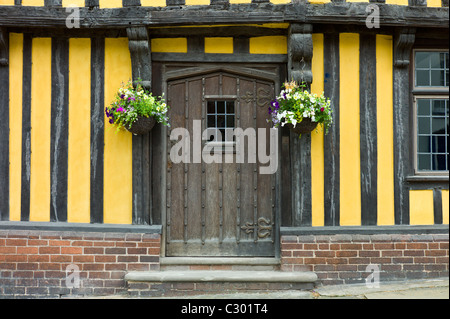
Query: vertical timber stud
[
  {"x": 4, "y": 125},
  {"x": 139, "y": 45},
  {"x": 300, "y": 51},
  {"x": 403, "y": 42}
]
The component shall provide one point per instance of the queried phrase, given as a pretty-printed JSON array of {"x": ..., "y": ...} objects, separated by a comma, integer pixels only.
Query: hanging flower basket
[
  {"x": 305, "y": 126},
  {"x": 136, "y": 110},
  {"x": 142, "y": 125},
  {"x": 300, "y": 110}
]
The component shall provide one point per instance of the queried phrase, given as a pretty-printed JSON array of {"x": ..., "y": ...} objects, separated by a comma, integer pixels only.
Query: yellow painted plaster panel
[
  {"x": 198, "y": 2},
  {"x": 319, "y": 1},
  {"x": 421, "y": 210},
  {"x": 153, "y": 3},
  {"x": 317, "y": 137},
  {"x": 110, "y": 4},
  {"x": 176, "y": 45},
  {"x": 268, "y": 45},
  {"x": 41, "y": 88},
  {"x": 350, "y": 176},
  {"x": 434, "y": 3},
  {"x": 73, "y": 3},
  {"x": 36, "y": 3},
  {"x": 385, "y": 131},
  {"x": 218, "y": 45},
  {"x": 79, "y": 155},
  {"x": 6, "y": 2},
  {"x": 445, "y": 208},
  {"x": 397, "y": 2},
  {"x": 118, "y": 145},
  {"x": 15, "y": 124}
]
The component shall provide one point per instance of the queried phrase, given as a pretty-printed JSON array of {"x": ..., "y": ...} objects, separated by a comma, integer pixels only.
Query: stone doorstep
[
  {"x": 222, "y": 276},
  {"x": 197, "y": 282}
]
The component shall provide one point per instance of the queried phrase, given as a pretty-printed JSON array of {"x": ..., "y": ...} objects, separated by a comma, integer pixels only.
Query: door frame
[{"x": 173, "y": 71}]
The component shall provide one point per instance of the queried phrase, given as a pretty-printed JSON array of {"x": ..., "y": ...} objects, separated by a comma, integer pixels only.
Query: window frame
[
  {"x": 225, "y": 146},
  {"x": 424, "y": 92}
]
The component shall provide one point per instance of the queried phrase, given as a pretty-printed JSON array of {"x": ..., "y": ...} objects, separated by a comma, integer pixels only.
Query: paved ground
[{"x": 412, "y": 289}]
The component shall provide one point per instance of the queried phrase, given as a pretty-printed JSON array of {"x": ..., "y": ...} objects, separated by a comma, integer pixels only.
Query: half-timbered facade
[{"x": 373, "y": 191}]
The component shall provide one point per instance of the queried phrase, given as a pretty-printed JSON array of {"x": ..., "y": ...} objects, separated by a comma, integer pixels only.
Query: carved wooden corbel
[
  {"x": 141, "y": 64},
  {"x": 3, "y": 47},
  {"x": 300, "y": 51},
  {"x": 404, "y": 40}
]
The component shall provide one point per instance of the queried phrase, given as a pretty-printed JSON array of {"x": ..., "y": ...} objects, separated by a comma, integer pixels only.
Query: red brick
[
  {"x": 15, "y": 258},
  {"x": 359, "y": 260},
  {"x": 316, "y": 260},
  {"x": 38, "y": 258},
  {"x": 347, "y": 253},
  {"x": 83, "y": 243},
  {"x": 326, "y": 253},
  {"x": 310, "y": 246},
  {"x": 27, "y": 250},
  {"x": 2, "y": 242},
  {"x": 392, "y": 253},
  {"x": 105, "y": 259},
  {"x": 369, "y": 253},
  {"x": 61, "y": 258},
  {"x": 49, "y": 250},
  {"x": 7, "y": 250},
  {"x": 416, "y": 246},
  {"x": 402, "y": 260},
  {"x": 285, "y": 246},
  {"x": 16, "y": 242},
  {"x": 138, "y": 267},
  {"x": 99, "y": 274},
  {"x": 50, "y": 266},
  {"x": 27, "y": 266},
  {"x": 138, "y": 251},
  {"x": 335, "y": 246},
  {"x": 380, "y": 260},
  {"x": 83, "y": 259},
  {"x": 94, "y": 251},
  {"x": 384, "y": 246},
  {"x": 302, "y": 253},
  {"x": 407, "y": 253},
  {"x": 115, "y": 251},
  {"x": 333, "y": 261},
  {"x": 96, "y": 266},
  {"x": 126, "y": 244},
  {"x": 424, "y": 260},
  {"x": 400, "y": 246},
  {"x": 351, "y": 246},
  {"x": 368, "y": 246},
  {"x": 37, "y": 242},
  {"x": 71, "y": 250},
  {"x": 59, "y": 242},
  {"x": 104, "y": 244},
  {"x": 443, "y": 245},
  {"x": 433, "y": 245},
  {"x": 435, "y": 253}
]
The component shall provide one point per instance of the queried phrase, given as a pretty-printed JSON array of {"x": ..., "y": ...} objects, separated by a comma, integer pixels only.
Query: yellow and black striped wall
[{"x": 61, "y": 162}]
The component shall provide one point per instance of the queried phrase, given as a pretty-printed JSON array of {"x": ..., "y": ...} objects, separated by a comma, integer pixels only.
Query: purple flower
[
  {"x": 122, "y": 96},
  {"x": 111, "y": 121},
  {"x": 120, "y": 109}
]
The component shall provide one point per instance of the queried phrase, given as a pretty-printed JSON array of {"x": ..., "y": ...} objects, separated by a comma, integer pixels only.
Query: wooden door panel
[{"x": 219, "y": 209}]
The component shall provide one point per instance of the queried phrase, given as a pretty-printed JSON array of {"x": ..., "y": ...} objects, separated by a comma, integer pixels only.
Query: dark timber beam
[
  {"x": 141, "y": 62},
  {"x": 403, "y": 42},
  {"x": 329, "y": 13}
]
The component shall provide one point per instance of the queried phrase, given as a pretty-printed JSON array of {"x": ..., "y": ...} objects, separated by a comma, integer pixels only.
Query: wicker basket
[
  {"x": 142, "y": 125},
  {"x": 305, "y": 126}
]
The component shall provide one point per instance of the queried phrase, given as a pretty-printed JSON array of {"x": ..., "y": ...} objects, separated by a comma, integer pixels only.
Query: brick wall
[
  {"x": 342, "y": 259},
  {"x": 34, "y": 263}
]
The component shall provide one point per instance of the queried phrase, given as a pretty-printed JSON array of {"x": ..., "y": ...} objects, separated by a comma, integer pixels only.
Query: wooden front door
[{"x": 227, "y": 208}]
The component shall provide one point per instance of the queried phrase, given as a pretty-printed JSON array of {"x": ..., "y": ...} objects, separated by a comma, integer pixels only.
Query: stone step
[
  {"x": 214, "y": 263},
  {"x": 195, "y": 282}
]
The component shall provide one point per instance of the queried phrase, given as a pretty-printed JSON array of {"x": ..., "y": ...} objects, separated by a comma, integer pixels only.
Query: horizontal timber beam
[{"x": 344, "y": 14}]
